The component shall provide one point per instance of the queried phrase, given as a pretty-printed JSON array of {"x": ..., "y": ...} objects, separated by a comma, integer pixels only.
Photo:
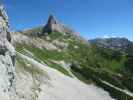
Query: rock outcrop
[
  {"x": 53, "y": 25},
  {"x": 7, "y": 59}
]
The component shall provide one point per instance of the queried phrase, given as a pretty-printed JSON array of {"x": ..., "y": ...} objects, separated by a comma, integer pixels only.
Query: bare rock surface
[
  {"x": 7, "y": 59},
  {"x": 53, "y": 25}
]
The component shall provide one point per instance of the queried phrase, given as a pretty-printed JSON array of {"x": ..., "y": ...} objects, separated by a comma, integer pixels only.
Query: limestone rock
[
  {"x": 7, "y": 56},
  {"x": 53, "y": 25}
]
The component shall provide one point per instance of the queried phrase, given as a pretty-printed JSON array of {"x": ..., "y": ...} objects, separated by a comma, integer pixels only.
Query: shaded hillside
[{"x": 121, "y": 44}]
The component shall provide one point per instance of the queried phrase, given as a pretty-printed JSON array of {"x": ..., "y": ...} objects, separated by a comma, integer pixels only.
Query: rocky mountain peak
[
  {"x": 52, "y": 19},
  {"x": 53, "y": 25}
]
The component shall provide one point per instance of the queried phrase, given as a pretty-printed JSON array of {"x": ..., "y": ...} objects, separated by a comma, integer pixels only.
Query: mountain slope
[
  {"x": 35, "y": 56},
  {"x": 75, "y": 57},
  {"x": 121, "y": 44},
  {"x": 50, "y": 84}
]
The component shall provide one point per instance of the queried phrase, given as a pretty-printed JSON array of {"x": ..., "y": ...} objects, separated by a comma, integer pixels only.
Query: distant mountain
[{"x": 121, "y": 44}]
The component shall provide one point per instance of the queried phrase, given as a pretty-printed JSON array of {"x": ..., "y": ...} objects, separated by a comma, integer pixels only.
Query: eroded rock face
[
  {"x": 53, "y": 25},
  {"x": 7, "y": 56}
]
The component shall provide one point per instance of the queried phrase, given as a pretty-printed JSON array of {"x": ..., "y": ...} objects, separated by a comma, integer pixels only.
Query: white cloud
[{"x": 110, "y": 36}]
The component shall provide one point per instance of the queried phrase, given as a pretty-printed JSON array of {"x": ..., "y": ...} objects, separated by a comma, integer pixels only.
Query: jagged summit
[
  {"x": 53, "y": 25},
  {"x": 52, "y": 19}
]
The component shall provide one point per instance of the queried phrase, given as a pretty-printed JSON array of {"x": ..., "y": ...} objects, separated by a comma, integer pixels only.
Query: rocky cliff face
[
  {"x": 7, "y": 56},
  {"x": 53, "y": 25}
]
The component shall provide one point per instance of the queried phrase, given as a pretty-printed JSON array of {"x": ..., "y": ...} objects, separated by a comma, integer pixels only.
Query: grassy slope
[{"x": 89, "y": 63}]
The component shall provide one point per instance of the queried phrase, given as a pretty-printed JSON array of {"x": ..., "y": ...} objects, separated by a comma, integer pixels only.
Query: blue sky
[{"x": 91, "y": 18}]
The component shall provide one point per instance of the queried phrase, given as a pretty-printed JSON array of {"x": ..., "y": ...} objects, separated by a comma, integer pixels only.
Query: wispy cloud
[{"x": 111, "y": 36}]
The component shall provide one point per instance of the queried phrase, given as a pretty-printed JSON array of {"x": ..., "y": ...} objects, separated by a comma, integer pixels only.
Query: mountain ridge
[{"x": 121, "y": 44}]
